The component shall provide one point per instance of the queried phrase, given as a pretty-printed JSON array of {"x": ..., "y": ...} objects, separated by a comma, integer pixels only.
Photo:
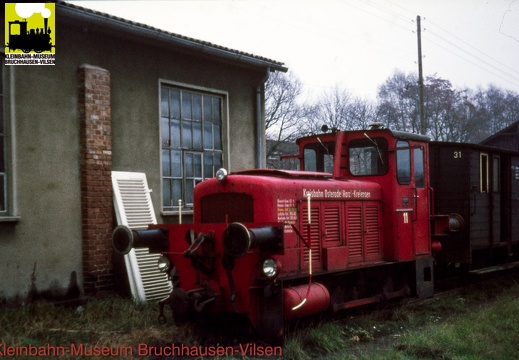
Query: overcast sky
[{"x": 352, "y": 44}]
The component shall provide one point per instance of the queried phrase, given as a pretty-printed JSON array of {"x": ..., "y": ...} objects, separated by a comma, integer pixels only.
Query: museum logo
[{"x": 30, "y": 35}]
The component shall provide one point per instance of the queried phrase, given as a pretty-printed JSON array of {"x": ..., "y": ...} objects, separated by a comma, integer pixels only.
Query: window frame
[{"x": 224, "y": 133}]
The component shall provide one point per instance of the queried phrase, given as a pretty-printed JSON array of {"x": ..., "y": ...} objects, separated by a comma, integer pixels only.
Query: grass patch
[
  {"x": 477, "y": 322},
  {"x": 489, "y": 332},
  {"x": 113, "y": 323},
  {"x": 323, "y": 339}
]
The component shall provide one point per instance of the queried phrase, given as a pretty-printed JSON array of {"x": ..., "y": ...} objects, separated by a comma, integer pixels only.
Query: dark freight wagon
[{"x": 481, "y": 185}]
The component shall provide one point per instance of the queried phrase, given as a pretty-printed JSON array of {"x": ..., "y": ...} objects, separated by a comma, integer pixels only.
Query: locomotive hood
[
  {"x": 295, "y": 184},
  {"x": 272, "y": 195}
]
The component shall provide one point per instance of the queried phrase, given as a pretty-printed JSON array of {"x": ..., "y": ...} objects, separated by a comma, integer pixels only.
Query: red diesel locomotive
[{"x": 355, "y": 226}]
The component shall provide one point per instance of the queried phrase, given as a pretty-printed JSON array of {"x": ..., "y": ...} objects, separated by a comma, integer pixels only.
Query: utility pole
[{"x": 420, "y": 75}]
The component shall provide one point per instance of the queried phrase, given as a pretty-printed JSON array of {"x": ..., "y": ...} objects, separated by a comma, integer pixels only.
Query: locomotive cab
[{"x": 396, "y": 161}]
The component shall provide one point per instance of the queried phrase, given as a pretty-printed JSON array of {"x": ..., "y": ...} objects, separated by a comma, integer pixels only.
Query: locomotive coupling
[
  {"x": 238, "y": 239},
  {"x": 124, "y": 239}
]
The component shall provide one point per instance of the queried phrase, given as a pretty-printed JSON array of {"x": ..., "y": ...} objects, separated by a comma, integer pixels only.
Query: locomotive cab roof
[{"x": 401, "y": 135}]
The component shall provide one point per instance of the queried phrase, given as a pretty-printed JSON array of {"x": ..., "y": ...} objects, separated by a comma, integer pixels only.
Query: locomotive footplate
[{"x": 405, "y": 291}]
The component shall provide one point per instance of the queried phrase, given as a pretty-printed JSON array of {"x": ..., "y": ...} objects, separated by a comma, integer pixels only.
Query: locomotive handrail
[
  {"x": 415, "y": 198},
  {"x": 309, "y": 245}
]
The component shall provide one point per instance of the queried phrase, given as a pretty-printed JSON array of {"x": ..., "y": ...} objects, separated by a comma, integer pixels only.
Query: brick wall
[{"x": 96, "y": 184}]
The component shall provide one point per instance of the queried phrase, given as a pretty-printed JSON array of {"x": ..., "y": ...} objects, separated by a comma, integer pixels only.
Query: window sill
[
  {"x": 176, "y": 213},
  {"x": 10, "y": 219}
]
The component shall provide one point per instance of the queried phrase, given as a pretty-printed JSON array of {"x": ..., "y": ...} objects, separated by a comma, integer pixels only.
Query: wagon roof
[{"x": 473, "y": 146}]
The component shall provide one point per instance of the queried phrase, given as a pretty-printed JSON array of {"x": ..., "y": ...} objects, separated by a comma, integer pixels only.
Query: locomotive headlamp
[
  {"x": 163, "y": 264},
  {"x": 270, "y": 268},
  {"x": 221, "y": 174}
]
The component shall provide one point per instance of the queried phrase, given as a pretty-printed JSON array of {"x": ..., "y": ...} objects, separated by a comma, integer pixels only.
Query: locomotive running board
[{"x": 371, "y": 300}]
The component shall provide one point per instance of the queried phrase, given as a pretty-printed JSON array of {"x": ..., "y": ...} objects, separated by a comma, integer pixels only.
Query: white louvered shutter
[{"x": 133, "y": 208}]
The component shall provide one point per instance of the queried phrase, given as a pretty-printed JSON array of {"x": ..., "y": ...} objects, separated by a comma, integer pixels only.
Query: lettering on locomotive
[{"x": 336, "y": 194}]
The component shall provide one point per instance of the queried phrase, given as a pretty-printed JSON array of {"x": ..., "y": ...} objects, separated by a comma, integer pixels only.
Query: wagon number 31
[{"x": 457, "y": 154}]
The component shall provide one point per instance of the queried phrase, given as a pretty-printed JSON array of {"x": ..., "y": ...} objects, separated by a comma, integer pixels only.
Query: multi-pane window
[
  {"x": 191, "y": 131},
  {"x": 3, "y": 177}
]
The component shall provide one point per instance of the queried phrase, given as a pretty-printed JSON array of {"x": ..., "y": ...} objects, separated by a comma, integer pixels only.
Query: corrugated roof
[{"x": 237, "y": 55}]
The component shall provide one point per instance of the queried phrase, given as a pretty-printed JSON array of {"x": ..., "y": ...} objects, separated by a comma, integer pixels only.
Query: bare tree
[
  {"x": 339, "y": 110},
  {"x": 362, "y": 112},
  {"x": 285, "y": 117},
  {"x": 440, "y": 106},
  {"x": 282, "y": 110},
  {"x": 398, "y": 106},
  {"x": 487, "y": 111},
  {"x": 450, "y": 114}
]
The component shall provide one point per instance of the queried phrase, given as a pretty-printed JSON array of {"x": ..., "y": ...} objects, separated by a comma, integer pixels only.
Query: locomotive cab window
[
  {"x": 368, "y": 156},
  {"x": 319, "y": 156},
  {"x": 419, "y": 177},
  {"x": 403, "y": 163}
]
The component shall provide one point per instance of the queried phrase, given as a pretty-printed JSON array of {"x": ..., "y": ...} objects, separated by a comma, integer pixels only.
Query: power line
[
  {"x": 459, "y": 47},
  {"x": 474, "y": 48},
  {"x": 510, "y": 78},
  {"x": 475, "y": 64},
  {"x": 376, "y": 15}
]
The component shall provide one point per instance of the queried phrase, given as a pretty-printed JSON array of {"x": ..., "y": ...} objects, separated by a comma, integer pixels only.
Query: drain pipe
[{"x": 260, "y": 127}]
